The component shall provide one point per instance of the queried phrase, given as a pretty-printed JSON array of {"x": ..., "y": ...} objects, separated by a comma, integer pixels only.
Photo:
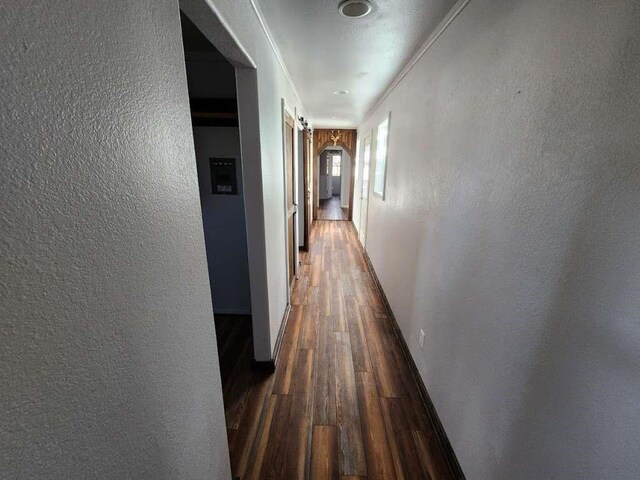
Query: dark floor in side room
[
  {"x": 330, "y": 209},
  {"x": 342, "y": 402}
]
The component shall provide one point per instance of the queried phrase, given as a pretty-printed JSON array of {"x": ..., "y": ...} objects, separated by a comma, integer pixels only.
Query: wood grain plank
[
  {"x": 326, "y": 293},
  {"x": 297, "y": 443},
  {"x": 324, "y": 453},
  {"x": 236, "y": 388},
  {"x": 411, "y": 402},
  {"x": 352, "y": 455},
  {"x": 309, "y": 328},
  {"x": 343, "y": 402},
  {"x": 327, "y": 256},
  {"x": 263, "y": 442},
  {"x": 288, "y": 353},
  {"x": 330, "y": 209},
  {"x": 274, "y": 459},
  {"x": 316, "y": 269},
  {"x": 401, "y": 442},
  {"x": 358, "y": 337},
  {"x": 431, "y": 455},
  {"x": 324, "y": 405},
  {"x": 235, "y": 333},
  {"x": 313, "y": 299},
  {"x": 389, "y": 384},
  {"x": 241, "y": 445},
  {"x": 338, "y": 309},
  {"x": 300, "y": 288},
  {"x": 379, "y": 459}
]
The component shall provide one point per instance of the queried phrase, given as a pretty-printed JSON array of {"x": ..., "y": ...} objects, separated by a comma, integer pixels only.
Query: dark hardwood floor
[
  {"x": 244, "y": 389},
  {"x": 330, "y": 209},
  {"x": 342, "y": 403}
]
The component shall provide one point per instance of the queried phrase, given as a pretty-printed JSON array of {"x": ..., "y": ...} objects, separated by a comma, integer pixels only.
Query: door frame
[
  {"x": 288, "y": 120},
  {"x": 352, "y": 180},
  {"x": 306, "y": 194},
  {"x": 319, "y": 146},
  {"x": 362, "y": 231},
  {"x": 208, "y": 21},
  {"x": 354, "y": 173}
]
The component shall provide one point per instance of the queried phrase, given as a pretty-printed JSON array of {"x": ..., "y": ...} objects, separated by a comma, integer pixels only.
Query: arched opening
[{"x": 329, "y": 179}]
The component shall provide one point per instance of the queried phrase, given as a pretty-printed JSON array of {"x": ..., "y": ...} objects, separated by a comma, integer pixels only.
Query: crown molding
[
  {"x": 431, "y": 39},
  {"x": 276, "y": 51}
]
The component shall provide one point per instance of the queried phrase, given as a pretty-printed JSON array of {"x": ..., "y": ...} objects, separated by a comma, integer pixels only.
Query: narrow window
[
  {"x": 382, "y": 137},
  {"x": 335, "y": 162}
]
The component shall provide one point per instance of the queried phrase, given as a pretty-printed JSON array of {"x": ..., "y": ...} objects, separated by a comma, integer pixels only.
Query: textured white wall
[
  {"x": 108, "y": 363},
  {"x": 511, "y": 235}
]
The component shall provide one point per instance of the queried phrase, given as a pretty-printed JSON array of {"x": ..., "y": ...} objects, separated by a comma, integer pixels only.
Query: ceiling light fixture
[
  {"x": 355, "y": 8},
  {"x": 341, "y": 92}
]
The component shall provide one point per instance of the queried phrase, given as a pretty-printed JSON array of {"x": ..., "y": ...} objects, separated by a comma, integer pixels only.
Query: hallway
[
  {"x": 342, "y": 402},
  {"x": 330, "y": 209},
  {"x": 163, "y": 165}
]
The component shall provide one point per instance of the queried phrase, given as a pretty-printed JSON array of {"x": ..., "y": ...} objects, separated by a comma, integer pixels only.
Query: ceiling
[{"x": 325, "y": 51}]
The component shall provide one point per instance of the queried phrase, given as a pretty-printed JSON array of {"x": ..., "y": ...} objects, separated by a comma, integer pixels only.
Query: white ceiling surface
[{"x": 325, "y": 51}]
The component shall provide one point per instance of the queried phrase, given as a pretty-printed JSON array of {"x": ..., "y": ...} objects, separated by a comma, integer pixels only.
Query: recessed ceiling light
[
  {"x": 341, "y": 92},
  {"x": 355, "y": 8}
]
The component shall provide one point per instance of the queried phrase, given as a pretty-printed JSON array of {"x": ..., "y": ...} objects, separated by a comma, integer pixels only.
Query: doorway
[
  {"x": 333, "y": 186},
  {"x": 215, "y": 32},
  {"x": 291, "y": 205},
  {"x": 220, "y": 108},
  {"x": 216, "y": 134},
  {"x": 333, "y": 181},
  {"x": 304, "y": 190}
]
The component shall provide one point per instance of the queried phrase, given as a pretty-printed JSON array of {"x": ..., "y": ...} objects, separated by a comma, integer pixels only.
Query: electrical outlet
[{"x": 421, "y": 339}]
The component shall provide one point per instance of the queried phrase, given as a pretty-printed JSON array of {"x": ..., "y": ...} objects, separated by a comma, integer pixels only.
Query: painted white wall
[
  {"x": 224, "y": 224},
  {"x": 108, "y": 362},
  {"x": 511, "y": 235},
  {"x": 273, "y": 85}
]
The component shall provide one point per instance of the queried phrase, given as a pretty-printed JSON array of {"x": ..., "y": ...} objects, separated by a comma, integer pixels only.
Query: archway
[{"x": 344, "y": 140}]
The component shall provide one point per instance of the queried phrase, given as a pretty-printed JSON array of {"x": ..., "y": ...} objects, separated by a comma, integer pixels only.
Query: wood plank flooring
[
  {"x": 342, "y": 403},
  {"x": 330, "y": 209}
]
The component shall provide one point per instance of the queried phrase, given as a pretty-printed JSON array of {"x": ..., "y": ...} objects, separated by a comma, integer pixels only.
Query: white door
[{"x": 364, "y": 197}]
